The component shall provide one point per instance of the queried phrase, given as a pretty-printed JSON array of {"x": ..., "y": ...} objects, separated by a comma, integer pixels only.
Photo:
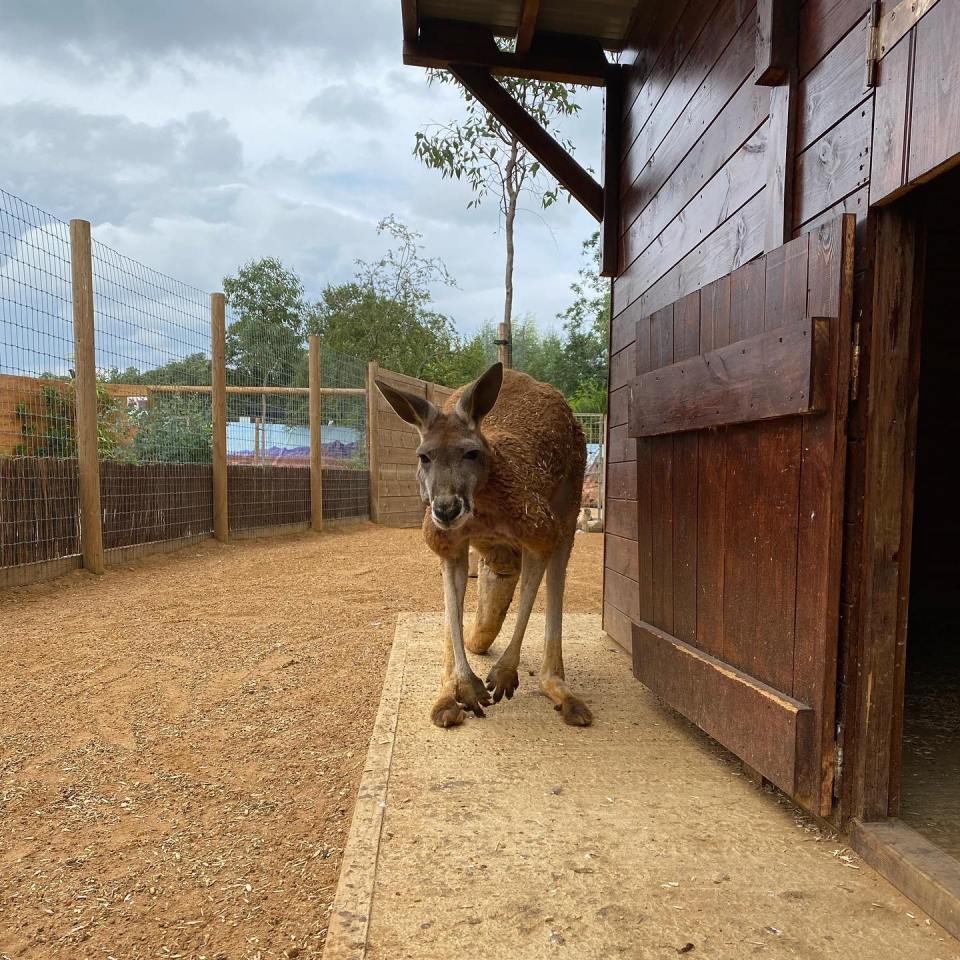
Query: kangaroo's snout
[{"x": 447, "y": 510}]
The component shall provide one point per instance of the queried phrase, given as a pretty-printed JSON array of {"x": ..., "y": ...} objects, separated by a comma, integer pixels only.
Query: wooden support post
[
  {"x": 85, "y": 391},
  {"x": 316, "y": 449},
  {"x": 612, "y": 127},
  {"x": 373, "y": 439},
  {"x": 218, "y": 379}
]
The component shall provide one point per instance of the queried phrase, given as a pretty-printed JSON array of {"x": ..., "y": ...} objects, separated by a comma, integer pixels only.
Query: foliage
[
  {"x": 386, "y": 312},
  {"x": 492, "y": 160},
  {"x": 176, "y": 429},
  {"x": 192, "y": 369},
  {"x": 50, "y": 431}
]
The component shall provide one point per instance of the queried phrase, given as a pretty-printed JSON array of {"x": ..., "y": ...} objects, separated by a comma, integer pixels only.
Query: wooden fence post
[
  {"x": 316, "y": 439},
  {"x": 373, "y": 440},
  {"x": 85, "y": 396},
  {"x": 218, "y": 391}
]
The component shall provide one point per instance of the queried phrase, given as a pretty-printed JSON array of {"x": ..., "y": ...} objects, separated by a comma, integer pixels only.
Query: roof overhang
[{"x": 562, "y": 40}]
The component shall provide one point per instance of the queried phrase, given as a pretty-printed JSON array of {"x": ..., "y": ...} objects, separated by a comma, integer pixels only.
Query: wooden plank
[
  {"x": 935, "y": 100},
  {"x": 747, "y": 297},
  {"x": 714, "y": 333},
  {"x": 780, "y": 164},
  {"x": 661, "y": 483},
  {"x": 820, "y": 533},
  {"x": 892, "y": 387},
  {"x": 527, "y": 25},
  {"x": 778, "y": 462},
  {"x": 612, "y": 126},
  {"x": 701, "y": 91},
  {"x": 619, "y": 411},
  {"x": 568, "y": 173},
  {"x": 780, "y": 373},
  {"x": 218, "y": 405},
  {"x": 622, "y": 480},
  {"x": 738, "y": 240},
  {"x": 621, "y": 518},
  {"x": 823, "y": 23},
  {"x": 776, "y": 41},
  {"x": 622, "y": 367},
  {"x": 85, "y": 397},
  {"x": 408, "y": 13},
  {"x": 735, "y": 130},
  {"x": 622, "y": 593},
  {"x": 833, "y": 87},
  {"x": 919, "y": 869},
  {"x": 646, "y": 43},
  {"x": 889, "y": 145},
  {"x": 623, "y": 330},
  {"x": 670, "y": 57},
  {"x": 836, "y": 164},
  {"x": 726, "y": 703},
  {"x": 686, "y": 345},
  {"x": 618, "y": 626},
  {"x": 644, "y": 495},
  {"x": 622, "y": 556},
  {"x": 728, "y": 191},
  {"x": 897, "y": 21}
]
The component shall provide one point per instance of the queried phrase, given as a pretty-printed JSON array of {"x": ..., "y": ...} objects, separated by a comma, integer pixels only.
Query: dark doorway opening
[{"x": 930, "y": 771}]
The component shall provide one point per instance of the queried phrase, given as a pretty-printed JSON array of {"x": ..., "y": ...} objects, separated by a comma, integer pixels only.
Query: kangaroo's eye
[
  {"x": 424, "y": 459},
  {"x": 471, "y": 455}
]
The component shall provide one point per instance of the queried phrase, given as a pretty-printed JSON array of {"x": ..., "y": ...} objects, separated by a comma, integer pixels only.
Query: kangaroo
[{"x": 511, "y": 489}]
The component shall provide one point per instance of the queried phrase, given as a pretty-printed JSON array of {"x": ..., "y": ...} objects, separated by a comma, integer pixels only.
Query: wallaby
[{"x": 511, "y": 489}]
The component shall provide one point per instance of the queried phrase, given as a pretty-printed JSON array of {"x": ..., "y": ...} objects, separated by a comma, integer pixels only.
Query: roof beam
[
  {"x": 569, "y": 174},
  {"x": 527, "y": 26},
  {"x": 408, "y": 10},
  {"x": 444, "y": 43}
]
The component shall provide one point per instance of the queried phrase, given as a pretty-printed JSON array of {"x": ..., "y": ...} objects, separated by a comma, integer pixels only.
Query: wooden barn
[{"x": 777, "y": 200}]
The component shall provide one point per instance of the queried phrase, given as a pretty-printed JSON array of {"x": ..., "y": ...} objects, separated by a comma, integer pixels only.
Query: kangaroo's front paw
[
  {"x": 446, "y": 712},
  {"x": 471, "y": 694},
  {"x": 502, "y": 681}
]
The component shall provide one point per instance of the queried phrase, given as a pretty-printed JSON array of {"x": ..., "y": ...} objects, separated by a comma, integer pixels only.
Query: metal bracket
[
  {"x": 855, "y": 363},
  {"x": 885, "y": 28},
  {"x": 873, "y": 41}
]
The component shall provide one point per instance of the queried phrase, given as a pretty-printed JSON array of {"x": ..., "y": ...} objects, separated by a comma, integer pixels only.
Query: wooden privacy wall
[
  {"x": 723, "y": 547},
  {"x": 394, "y": 496}
]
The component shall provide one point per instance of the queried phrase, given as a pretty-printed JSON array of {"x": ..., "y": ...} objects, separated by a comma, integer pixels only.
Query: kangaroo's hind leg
[
  {"x": 552, "y": 680},
  {"x": 497, "y": 577}
]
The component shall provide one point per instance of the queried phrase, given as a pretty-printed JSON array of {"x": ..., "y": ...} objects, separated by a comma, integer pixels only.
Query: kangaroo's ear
[
  {"x": 478, "y": 399},
  {"x": 408, "y": 406}
]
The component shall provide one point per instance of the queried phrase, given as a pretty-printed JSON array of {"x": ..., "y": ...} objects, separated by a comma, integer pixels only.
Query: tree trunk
[{"x": 506, "y": 351}]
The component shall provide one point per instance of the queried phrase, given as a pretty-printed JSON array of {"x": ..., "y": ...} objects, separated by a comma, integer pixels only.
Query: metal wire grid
[
  {"x": 155, "y": 434},
  {"x": 38, "y": 477},
  {"x": 594, "y": 431},
  {"x": 343, "y": 437}
]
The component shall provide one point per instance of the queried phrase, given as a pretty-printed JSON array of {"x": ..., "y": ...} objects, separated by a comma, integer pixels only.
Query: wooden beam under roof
[
  {"x": 445, "y": 43},
  {"x": 411, "y": 28},
  {"x": 570, "y": 175},
  {"x": 527, "y": 26}
]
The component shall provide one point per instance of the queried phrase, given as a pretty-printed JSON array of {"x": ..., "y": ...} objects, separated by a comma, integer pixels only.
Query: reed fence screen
[{"x": 295, "y": 446}]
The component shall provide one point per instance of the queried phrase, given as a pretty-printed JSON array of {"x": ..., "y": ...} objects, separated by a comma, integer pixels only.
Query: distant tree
[
  {"x": 193, "y": 369},
  {"x": 265, "y": 343},
  {"x": 482, "y": 151},
  {"x": 386, "y": 312}
]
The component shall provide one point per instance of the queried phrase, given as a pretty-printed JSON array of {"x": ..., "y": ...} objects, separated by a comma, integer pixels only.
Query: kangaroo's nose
[{"x": 447, "y": 510}]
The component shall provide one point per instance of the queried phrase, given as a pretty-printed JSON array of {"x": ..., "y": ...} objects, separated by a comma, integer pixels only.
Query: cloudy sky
[{"x": 198, "y": 135}]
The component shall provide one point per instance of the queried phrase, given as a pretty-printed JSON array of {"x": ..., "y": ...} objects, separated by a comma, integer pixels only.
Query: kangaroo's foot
[
  {"x": 470, "y": 692},
  {"x": 574, "y": 711},
  {"x": 502, "y": 680},
  {"x": 446, "y": 712}
]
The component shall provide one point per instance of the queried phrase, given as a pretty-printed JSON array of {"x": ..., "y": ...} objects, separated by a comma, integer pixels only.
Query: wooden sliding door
[{"x": 739, "y": 412}]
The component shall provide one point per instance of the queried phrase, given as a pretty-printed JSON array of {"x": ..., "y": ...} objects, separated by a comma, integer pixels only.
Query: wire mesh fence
[
  {"x": 38, "y": 479},
  {"x": 152, "y": 336},
  {"x": 154, "y": 419},
  {"x": 594, "y": 432}
]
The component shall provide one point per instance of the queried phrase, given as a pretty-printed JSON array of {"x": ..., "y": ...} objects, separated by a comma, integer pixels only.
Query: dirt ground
[{"x": 181, "y": 741}]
